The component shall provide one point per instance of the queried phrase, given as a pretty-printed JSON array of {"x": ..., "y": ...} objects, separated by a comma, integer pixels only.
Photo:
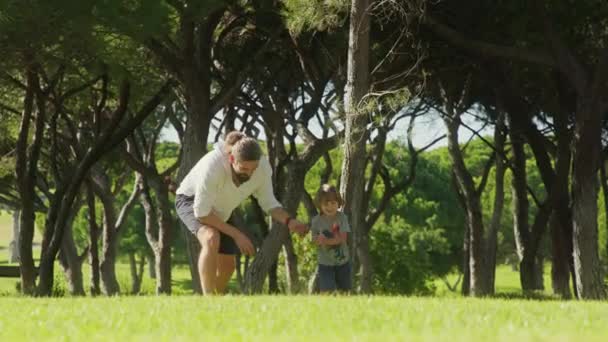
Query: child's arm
[
  {"x": 338, "y": 239},
  {"x": 341, "y": 235}
]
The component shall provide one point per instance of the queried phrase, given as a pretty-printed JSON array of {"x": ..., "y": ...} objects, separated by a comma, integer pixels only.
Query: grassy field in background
[
  {"x": 301, "y": 318},
  {"x": 507, "y": 280},
  {"x": 6, "y": 232}
]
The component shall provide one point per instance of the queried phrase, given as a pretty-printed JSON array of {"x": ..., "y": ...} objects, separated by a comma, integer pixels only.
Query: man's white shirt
[{"x": 210, "y": 182}]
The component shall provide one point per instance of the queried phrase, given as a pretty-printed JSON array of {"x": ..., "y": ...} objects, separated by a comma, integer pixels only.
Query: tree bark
[
  {"x": 586, "y": 162},
  {"x": 70, "y": 260},
  {"x": 159, "y": 227},
  {"x": 561, "y": 221},
  {"x": 492, "y": 238},
  {"x": 604, "y": 184},
  {"x": 474, "y": 217},
  {"x": 25, "y": 173},
  {"x": 291, "y": 266},
  {"x": 151, "y": 266},
  {"x": 356, "y": 135},
  {"x": 93, "y": 242},
  {"x": 137, "y": 272},
  {"x": 107, "y": 265}
]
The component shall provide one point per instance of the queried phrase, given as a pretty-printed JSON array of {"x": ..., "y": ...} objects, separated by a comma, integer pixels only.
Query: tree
[{"x": 353, "y": 165}]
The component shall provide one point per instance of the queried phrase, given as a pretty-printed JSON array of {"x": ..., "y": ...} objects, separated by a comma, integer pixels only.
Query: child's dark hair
[{"x": 326, "y": 193}]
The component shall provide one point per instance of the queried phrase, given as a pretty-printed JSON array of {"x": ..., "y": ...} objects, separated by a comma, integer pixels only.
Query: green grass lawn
[
  {"x": 300, "y": 318},
  {"x": 446, "y": 316}
]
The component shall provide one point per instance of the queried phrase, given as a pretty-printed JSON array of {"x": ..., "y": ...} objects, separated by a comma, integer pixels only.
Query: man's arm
[
  {"x": 281, "y": 215},
  {"x": 265, "y": 196}
]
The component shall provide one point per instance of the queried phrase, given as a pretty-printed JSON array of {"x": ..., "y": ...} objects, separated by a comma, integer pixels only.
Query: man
[{"x": 215, "y": 186}]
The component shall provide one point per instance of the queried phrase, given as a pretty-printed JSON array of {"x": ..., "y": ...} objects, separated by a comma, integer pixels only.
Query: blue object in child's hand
[{"x": 327, "y": 234}]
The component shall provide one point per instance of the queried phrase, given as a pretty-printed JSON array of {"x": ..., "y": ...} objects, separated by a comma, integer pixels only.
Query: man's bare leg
[
  {"x": 209, "y": 239},
  {"x": 226, "y": 264}
]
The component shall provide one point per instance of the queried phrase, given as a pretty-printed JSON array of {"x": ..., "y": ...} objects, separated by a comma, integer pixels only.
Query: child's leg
[
  {"x": 343, "y": 277},
  {"x": 327, "y": 279}
]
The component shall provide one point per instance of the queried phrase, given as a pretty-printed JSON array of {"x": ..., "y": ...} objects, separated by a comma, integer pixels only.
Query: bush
[{"x": 406, "y": 258}]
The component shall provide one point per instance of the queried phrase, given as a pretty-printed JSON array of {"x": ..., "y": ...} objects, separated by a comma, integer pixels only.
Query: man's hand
[
  {"x": 244, "y": 244},
  {"x": 296, "y": 226}
]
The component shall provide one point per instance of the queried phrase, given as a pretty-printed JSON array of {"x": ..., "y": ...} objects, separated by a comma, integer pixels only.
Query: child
[{"x": 329, "y": 232}]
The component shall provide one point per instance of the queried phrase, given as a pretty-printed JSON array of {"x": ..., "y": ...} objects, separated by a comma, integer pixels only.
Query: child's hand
[{"x": 320, "y": 240}]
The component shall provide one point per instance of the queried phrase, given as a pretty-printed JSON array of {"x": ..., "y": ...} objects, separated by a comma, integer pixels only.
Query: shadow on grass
[
  {"x": 181, "y": 286},
  {"x": 534, "y": 295}
]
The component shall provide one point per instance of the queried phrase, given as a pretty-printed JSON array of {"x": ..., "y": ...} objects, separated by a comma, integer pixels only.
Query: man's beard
[{"x": 241, "y": 177}]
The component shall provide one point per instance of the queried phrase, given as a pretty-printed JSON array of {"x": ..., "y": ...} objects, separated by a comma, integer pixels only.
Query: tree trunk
[
  {"x": 561, "y": 220},
  {"x": 93, "y": 243},
  {"x": 604, "y": 184},
  {"x": 107, "y": 265},
  {"x": 466, "y": 270},
  {"x": 151, "y": 266},
  {"x": 353, "y": 165},
  {"x": 561, "y": 226},
  {"x": 165, "y": 238},
  {"x": 197, "y": 93},
  {"x": 25, "y": 173},
  {"x": 499, "y": 194},
  {"x": 521, "y": 226},
  {"x": 273, "y": 278},
  {"x": 256, "y": 273},
  {"x": 70, "y": 260},
  {"x": 13, "y": 251},
  {"x": 137, "y": 272},
  {"x": 560, "y": 268},
  {"x": 539, "y": 281},
  {"x": 291, "y": 267},
  {"x": 474, "y": 217},
  {"x": 163, "y": 270},
  {"x": 313, "y": 283},
  {"x": 586, "y": 161},
  {"x": 291, "y": 187},
  {"x": 466, "y": 244}
]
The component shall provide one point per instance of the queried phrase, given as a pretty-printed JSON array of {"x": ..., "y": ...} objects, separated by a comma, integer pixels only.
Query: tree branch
[{"x": 487, "y": 49}]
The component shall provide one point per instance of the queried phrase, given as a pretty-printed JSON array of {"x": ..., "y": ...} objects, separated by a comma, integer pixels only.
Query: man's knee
[{"x": 209, "y": 238}]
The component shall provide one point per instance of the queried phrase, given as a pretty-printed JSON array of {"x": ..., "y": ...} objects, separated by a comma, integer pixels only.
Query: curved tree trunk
[
  {"x": 267, "y": 255},
  {"x": 70, "y": 260},
  {"x": 474, "y": 217}
]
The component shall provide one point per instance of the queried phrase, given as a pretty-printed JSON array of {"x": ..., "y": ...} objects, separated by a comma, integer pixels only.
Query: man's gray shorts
[{"x": 185, "y": 211}]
